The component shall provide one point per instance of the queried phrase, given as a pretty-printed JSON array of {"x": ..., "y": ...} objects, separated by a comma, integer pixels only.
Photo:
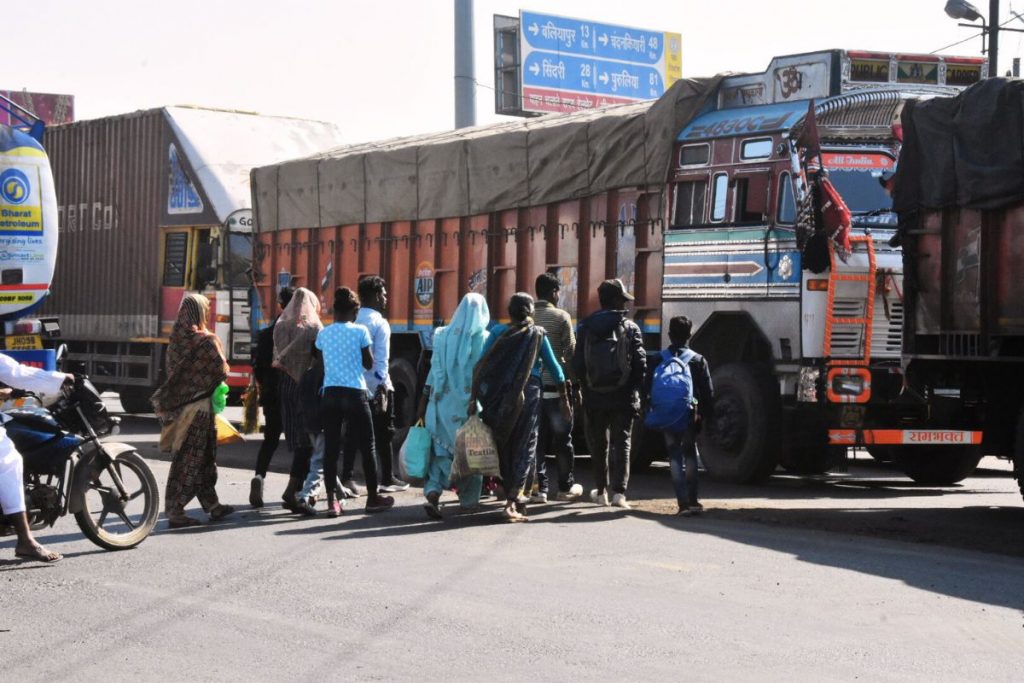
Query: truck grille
[{"x": 886, "y": 330}]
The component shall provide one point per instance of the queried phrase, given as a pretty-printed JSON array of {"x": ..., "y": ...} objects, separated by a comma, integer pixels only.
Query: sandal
[
  {"x": 220, "y": 512},
  {"x": 40, "y": 554},
  {"x": 513, "y": 515},
  {"x": 182, "y": 522}
]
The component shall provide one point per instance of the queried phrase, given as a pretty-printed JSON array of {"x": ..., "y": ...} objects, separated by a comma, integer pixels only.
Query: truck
[
  {"x": 28, "y": 238},
  {"x": 153, "y": 205},
  {"x": 959, "y": 191},
  {"x": 694, "y": 200}
]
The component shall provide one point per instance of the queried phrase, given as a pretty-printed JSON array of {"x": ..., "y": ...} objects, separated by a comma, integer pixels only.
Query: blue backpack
[{"x": 671, "y": 408}]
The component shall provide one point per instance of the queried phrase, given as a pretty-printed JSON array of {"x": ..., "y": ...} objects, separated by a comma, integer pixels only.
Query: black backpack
[{"x": 607, "y": 359}]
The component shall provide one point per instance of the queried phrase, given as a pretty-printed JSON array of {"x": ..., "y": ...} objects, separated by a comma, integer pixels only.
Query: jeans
[
  {"x": 521, "y": 450},
  {"x": 682, "y": 448},
  {"x": 555, "y": 436},
  {"x": 348, "y": 408},
  {"x": 608, "y": 434},
  {"x": 383, "y": 436},
  {"x": 271, "y": 435},
  {"x": 316, "y": 468}
]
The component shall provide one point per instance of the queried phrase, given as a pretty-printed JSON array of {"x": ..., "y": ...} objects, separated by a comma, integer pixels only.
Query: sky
[{"x": 384, "y": 68}]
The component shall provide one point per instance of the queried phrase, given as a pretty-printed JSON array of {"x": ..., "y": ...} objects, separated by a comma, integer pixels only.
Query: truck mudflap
[{"x": 903, "y": 437}]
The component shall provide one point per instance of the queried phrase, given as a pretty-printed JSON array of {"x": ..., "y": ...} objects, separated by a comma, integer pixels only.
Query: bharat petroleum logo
[{"x": 14, "y": 187}]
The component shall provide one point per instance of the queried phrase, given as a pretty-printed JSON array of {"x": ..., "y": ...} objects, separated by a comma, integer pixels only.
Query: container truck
[
  {"x": 692, "y": 200},
  {"x": 960, "y": 196},
  {"x": 153, "y": 205}
]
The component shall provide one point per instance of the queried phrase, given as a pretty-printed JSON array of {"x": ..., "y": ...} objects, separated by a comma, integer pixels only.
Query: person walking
[
  {"x": 373, "y": 296},
  {"x": 680, "y": 440},
  {"x": 266, "y": 381},
  {"x": 555, "y": 434},
  {"x": 183, "y": 403},
  {"x": 458, "y": 347},
  {"x": 294, "y": 335},
  {"x": 347, "y": 354},
  {"x": 12, "y": 484},
  {"x": 508, "y": 384},
  {"x": 610, "y": 362}
]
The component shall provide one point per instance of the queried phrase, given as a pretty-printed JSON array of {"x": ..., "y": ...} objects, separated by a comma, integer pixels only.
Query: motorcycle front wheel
[{"x": 114, "y": 523}]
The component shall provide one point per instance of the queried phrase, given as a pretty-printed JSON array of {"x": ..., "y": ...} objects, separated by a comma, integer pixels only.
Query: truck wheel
[
  {"x": 741, "y": 443},
  {"x": 136, "y": 399},
  {"x": 647, "y": 446},
  {"x": 941, "y": 465},
  {"x": 1018, "y": 452},
  {"x": 403, "y": 376},
  {"x": 805, "y": 448},
  {"x": 883, "y": 454}
]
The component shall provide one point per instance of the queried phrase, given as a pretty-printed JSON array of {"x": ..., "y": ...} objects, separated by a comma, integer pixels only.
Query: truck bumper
[{"x": 903, "y": 437}]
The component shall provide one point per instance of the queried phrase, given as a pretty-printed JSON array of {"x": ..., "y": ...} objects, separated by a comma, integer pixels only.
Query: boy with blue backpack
[{"x": 681, "y": 398}]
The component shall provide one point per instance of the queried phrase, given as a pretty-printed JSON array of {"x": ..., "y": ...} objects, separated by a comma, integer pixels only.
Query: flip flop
[{"x": 40, "y": 554}]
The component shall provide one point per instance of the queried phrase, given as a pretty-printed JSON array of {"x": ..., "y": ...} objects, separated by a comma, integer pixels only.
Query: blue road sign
[
  {"x": 591, "y": 38},
  {"x": 583, "y": 74}
]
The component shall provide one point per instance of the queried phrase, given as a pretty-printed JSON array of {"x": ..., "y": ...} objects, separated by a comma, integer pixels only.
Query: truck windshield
[
  {"x": 239, "y": 259},
  {"x": 856, "y": 176}
]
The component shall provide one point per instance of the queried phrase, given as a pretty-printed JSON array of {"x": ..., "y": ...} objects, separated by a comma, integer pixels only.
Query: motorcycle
[{"x": 106, "y": 485}]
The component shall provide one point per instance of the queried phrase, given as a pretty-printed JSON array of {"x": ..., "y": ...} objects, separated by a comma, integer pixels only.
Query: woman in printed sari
[
  {"x": 195, "y": 368},
  {"x": 508, "y": 385},
  {"x": 294, "y": 337},
  {"x": 457, "y": 349}
]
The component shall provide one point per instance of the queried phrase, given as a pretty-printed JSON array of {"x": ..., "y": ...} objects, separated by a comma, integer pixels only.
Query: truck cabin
[{"x": 732, "y": 164}]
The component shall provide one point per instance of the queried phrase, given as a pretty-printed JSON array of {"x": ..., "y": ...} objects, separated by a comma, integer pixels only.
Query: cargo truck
[
  {"x": 153, "y": 205},
  {"x": 692, "y": 200},
  {"x": 960, "y": 196}
]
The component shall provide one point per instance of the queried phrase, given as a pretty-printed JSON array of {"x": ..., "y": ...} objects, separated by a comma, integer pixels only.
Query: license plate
[{"x": 23, "y": 342}]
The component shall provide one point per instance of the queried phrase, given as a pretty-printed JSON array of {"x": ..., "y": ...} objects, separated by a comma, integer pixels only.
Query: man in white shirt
[
  {"x": 373, "y": 296},
  {"x": 12, "y": 486}
]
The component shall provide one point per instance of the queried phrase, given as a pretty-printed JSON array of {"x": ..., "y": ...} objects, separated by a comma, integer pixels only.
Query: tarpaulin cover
[
  {"x": 481, "y": 170},
  {"x": 965, "y": 151}
]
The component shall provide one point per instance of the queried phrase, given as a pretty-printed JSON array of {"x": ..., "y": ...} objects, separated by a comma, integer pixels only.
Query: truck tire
[
  {"x": 883, "y": 454},
  {"x": 742, "y": 442},
  {"x": 136, "y": 399},
  {"x": 941, "y": 465},
  {"x": 403, "y": 377},
  {"x": 1018, "y": 452},
  {"x": 647, "y": 446},
  {"x": 805, "y": 448}
]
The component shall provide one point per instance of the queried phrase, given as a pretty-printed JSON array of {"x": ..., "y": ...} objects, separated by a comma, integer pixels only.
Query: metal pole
[
  {"x": 993, "y": 38},
  {"x": 465, "y": 82}
]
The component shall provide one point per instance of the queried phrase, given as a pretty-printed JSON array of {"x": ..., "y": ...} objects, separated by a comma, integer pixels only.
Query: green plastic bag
[{"x": 220, "y": 398}]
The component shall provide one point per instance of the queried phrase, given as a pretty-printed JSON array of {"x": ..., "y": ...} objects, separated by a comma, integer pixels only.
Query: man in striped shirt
[{"x": 555, "y": 431}]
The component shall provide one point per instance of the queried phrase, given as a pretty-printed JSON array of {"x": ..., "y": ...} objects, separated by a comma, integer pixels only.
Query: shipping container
[{"x": 152, "y": 205}]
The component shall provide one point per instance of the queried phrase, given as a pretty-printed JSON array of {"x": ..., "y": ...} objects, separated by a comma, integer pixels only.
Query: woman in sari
[
  {"x": 457, "y": 349},
  {"x": 508, "y": 385},
  {"x": 195, "y": 368},
  {"x": 294, "y": 337}
]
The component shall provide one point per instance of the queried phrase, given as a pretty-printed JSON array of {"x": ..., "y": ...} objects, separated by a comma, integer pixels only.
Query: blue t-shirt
[{"x": 342, "y": 346}]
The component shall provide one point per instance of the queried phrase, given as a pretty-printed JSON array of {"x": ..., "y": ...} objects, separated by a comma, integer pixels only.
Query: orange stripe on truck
[{"x": 903, "y": 437}]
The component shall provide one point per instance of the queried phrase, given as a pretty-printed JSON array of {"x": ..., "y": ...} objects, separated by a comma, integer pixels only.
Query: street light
[{"x": 958, "y": 9}]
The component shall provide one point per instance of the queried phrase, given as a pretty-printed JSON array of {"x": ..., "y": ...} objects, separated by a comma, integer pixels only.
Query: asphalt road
[{"x": 855, "y": 575}]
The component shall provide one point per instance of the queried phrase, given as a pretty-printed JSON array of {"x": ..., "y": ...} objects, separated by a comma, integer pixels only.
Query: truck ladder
[{"x": 865, "y": 323}]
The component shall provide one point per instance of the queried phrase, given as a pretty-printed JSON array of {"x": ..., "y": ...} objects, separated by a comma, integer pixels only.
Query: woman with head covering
[
  {"x": 457, "y": 349},
  {"x": 507, "y": 383},
  {"x": 294, "y": 337},
  {"x": 195, "y": 368}
]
